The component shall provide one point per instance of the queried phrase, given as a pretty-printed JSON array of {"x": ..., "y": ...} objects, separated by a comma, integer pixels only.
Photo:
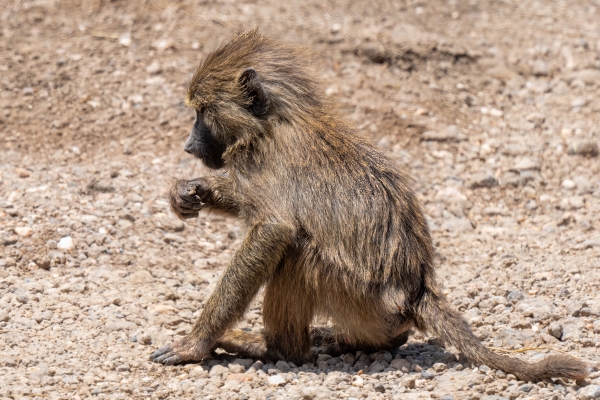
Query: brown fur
[{"x": 334, "y": 229}]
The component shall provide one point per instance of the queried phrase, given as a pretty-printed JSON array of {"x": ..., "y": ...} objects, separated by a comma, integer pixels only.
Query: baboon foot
[
  {"x": 399, "y": 340},
  {"x": 328, "y": 341},
  {"x": 186, "y": 349},
  {"x": 257, "y": 346},
  {"x": 245, "y": 344}
]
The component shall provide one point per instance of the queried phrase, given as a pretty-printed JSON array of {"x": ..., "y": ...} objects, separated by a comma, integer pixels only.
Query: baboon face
[
  {"x": 230, "y": 116},
  {"x": 203, "y": 144}
]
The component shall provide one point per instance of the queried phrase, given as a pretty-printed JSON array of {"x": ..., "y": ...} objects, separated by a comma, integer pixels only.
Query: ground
[{"x": 491, "y": 106}]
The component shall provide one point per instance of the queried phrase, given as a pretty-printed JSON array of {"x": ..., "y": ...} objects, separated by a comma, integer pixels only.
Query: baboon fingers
[
  {"x": 184, "y": 214},
  {"x": 171, "y": 358},
  {"x": 184, "y": 201},
  {"x": 187, "y": 349},
  {"x": 185, "y": 195},
  {"x": 185, "y": 204},
  {"x": 160, "y": 352},
  {"x": 195, "y": 190},
  {"x": 166, "y": 356}
]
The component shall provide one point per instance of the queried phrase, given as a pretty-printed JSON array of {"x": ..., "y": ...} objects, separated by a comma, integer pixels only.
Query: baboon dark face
[{"x": 203, "y": 144}]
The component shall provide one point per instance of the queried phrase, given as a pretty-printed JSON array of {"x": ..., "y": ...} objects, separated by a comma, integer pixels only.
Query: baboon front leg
[
  {"x": 253, "y": 263},
  {"x": 219, "y": 196},
  {"x": 213, "y": 193}
]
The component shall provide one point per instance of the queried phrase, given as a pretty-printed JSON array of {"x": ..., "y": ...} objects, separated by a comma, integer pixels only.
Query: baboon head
[
  {"x": 204, "y": 142},
  {"x": 239, "y": 90}
]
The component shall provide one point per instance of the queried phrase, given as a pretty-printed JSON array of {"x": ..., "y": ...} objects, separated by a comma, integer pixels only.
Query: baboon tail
[{"x": 436, "y": 317}]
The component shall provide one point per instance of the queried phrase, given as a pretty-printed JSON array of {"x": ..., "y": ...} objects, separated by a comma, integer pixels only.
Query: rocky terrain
[{"x": 492, "y": 107}]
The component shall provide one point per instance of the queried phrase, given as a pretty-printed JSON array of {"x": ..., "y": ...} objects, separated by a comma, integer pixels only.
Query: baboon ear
[{"x": 260, "y": 102}]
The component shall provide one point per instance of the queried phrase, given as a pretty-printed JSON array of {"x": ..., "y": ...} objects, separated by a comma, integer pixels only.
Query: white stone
[
  {"x": 136, "y": 98},
  {"x": 526, "y": 164},
  {"x": 163, "y": 44},
  {"x": 568, "y": 184},
  {"x": 23, "y": 231},
  {"x": 88, "y": 219},
  {"x": 358, "y": 382},
  {"x": 579, "y": 102},
  {"x": 275, "y": 380},
  {"x": 154, "y": 68},
  {"x": 494, "y": 112},
  {"x": 65, "y": 243},
  {"x": 125, "y": 39}
]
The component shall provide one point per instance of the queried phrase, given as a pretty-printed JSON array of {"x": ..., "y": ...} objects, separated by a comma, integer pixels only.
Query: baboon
[{"x": 333, "y": 228}]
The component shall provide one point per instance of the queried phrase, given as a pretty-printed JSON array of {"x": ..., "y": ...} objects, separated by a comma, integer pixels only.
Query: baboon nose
[{"x": 188, "y": 148}]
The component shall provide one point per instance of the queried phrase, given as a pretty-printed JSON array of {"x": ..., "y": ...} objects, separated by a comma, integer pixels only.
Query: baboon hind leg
[
  {"x": 245, "y": 344},
  {"x": 287, "y": 313}
]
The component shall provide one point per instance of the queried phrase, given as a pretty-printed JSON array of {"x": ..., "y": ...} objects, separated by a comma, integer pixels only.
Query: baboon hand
[
  {"x": 186, "y": 349},
  {"x": 187, "y": 197}
]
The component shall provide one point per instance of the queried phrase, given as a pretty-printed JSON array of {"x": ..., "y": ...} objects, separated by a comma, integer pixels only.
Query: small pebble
[
  {"x": 485, "y": 180},
  {"x": 484, "y": 369},
  {"x": 583, "y": 147},
  {"x": 65, "y": 243},
  {"x": 427, "y": 374},
  {"x": 526, "y": 388},
  {"x": 23, "y": 231},
  {"x": 276, "y": 380},
  {"x": 218, "y": 370},
  {"x": 378, "y": 387},
  {"x": 450, "y": 134},
  {"x": 555, "y": 329}
]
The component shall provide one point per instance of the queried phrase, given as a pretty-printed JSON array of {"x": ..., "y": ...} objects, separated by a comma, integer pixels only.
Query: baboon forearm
[
  {"x": 253, "y": 263},
  {"x": 221, "y": 197}
]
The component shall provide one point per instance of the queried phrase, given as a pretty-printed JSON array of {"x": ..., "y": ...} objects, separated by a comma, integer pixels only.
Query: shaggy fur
[{"x": 334, "y": 230}]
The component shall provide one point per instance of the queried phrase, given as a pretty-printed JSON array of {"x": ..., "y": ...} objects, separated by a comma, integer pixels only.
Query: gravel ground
[{"x": 493, "y": 107}]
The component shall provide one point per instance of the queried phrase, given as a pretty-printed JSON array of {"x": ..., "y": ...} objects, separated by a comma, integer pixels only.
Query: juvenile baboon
[{"x": 334, "y": 230}]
